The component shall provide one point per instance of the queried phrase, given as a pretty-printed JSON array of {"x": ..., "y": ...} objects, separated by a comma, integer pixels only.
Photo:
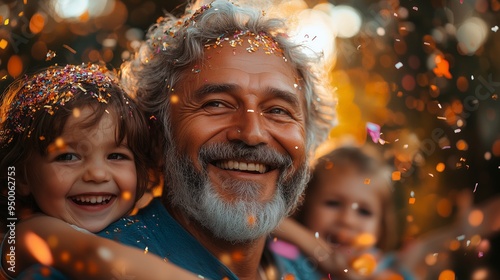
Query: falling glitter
[
  {"x": 399, "y": 65},
  {"x": 50, "y": 55},
  {"x": 69, "y": 48},
  {"x": 373, "y": 131},
  {"x": 494, "y": 28},
  {"x": 316, "y": 235},
  {"x": 475, "y": 187}
]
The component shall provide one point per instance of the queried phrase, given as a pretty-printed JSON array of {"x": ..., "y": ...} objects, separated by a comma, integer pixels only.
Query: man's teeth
[
  {"x": 242, "y": 166},
  {"x": 92, "y": 199}
]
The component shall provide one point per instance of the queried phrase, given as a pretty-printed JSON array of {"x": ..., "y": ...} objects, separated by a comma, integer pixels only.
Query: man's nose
[{"x": 249, "y": 129}]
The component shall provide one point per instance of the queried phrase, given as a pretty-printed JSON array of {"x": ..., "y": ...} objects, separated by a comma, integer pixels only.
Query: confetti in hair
[{"x": 50, "y": 90}]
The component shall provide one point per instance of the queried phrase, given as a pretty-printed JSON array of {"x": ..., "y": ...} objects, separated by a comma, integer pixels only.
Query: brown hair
[
  {"x": 363, "y": 162},
  {"x": 35, "y": 108}
]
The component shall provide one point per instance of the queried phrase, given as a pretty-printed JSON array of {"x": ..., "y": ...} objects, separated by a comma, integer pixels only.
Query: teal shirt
[{"x": 155, "y": 230}]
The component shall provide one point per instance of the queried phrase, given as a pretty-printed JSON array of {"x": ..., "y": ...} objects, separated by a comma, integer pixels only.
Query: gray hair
[{"x": 174, "y": 45}]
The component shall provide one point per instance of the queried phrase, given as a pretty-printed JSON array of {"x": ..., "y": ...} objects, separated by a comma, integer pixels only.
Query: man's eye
[
  {"x": 66, "y": 157},
  {"x": 216, "y": 104},
  {"x": 278, "y": 111}
]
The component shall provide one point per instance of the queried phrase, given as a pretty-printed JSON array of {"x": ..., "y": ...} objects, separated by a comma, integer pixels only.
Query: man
[
  {"x": 237, "y": 100},
  {"x": 237, "y": 103}
]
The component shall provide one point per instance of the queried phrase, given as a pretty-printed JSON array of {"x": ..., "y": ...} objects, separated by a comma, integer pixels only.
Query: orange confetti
[
  {"x": 411, "y": 200},
  {"x": 396, "y": 175},
  {"x": 442, "y": 67}
]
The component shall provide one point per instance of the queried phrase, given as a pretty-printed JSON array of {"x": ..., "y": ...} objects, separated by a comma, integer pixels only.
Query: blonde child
[
  {"x": 75, "y": 157},
  {"x": 347, "y": 220}
]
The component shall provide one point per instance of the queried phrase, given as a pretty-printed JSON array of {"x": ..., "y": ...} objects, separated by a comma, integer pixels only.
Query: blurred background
[{"x": 426, "y": 72}]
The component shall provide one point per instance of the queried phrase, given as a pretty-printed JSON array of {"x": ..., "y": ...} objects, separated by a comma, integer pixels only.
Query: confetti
[
  {"x": 373, "y": 131},
  {"x": 494, "y": 28},
  {"x": 316, "y": 235},
  {"x": 50, "y": 55},
  {"x": 457, "y": 130},
  {"x": 69, "y": 48},
  {"x": 399, "y": 65},
  {"x": 475, "y": 187},
  {"x": 415, "y": 8}
]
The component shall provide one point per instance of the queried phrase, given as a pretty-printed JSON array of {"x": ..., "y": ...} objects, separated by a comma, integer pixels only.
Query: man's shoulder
[{"x": 146, "y": 225}]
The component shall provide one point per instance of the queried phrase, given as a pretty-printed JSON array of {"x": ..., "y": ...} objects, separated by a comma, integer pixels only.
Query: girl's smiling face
[
  {"x": 345, "y": 208},
  {"x": 86, "y": 178}
]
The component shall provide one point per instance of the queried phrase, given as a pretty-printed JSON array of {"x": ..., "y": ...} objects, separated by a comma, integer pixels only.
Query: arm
[
  {"x": 317, "y": 249},
  {"x": 80, "y": 255}
]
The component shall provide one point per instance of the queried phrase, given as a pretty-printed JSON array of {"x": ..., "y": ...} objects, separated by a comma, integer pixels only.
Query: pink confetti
[
  {"x": 374, "y": 131},
  {"x": 475, "y": 187}
]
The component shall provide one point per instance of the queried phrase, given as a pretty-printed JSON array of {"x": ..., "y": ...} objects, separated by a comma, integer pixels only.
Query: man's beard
[{"x": 245, "y": 218}]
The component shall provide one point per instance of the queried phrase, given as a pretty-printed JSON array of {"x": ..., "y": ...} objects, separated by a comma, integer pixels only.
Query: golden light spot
[
  {"x": 3, "y": 44},
  {"x": 396, "y": 176},
  {"x": 251, "y": 219},
  {"x": 431, "y": 259},
  {"x": 225, "y": 259},
  {"x": 37, "y": 22},
  {"x": 365, "y": 240},
  {"x": 126, "y": 195},
  {"x": 38, "y": 249},
  {"x": 65, "y": 256},
  {"x": 237, "y": 256},
  {"x": 174, "y": 99},
  {"x": 59, "y": 143},
  {"x": 411, "y": 200},
  {"x": 289, "y": 277},
  {"x": 495, "y": 149},
  {"x": 462, "y": 84},
  {"x": 328, "y": 165},
  {"x": 92, "y": 268},
  {"x": 454, "y": 245},
  {"x": 480, "y": 274},
  {"x": 364, "y": 264},
  {"x": 6, "y": 21},
  {"x": 76, "y": 113},
  {"x": 462, "y": 145},
  {"x": 475, "y": 240},
  {"x": 409, "y": 218},
  {"x": 440, "y": 167},
  {"x": 79, "y": 265},
  {"x": 15, "y": 66},
  {"x": 475, "y": 218},
  {"x": 444, "y": 207},
  {"x": 41, "y": 138},
  {"x": 446, "y": 275},
  {"x": 45, "y": 271},
  {"x": 367, "y": 181},
  {"x": 52, "y": 241}
]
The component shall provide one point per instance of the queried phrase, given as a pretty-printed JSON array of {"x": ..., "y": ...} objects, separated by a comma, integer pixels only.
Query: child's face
[
  {"x": 85, "y": 179},
  {"x": 344, "y": 209}
]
